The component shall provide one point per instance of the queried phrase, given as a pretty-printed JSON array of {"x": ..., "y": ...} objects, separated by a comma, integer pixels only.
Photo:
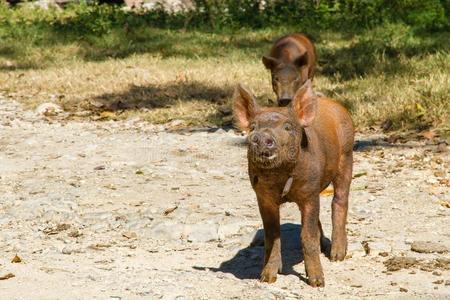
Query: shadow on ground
[
  {"x": 121, "y": 43},
  {"x": 378, "y": 54},
  {"x": 159, "y": 96},
  {"x": 396, "y": 141},
  {"x": 247, "y": 263}
]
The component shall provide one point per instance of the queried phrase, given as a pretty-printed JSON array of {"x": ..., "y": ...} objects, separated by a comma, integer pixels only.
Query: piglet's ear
[
  {"x": 302, "y": 60},
  {"x": 244, "y": 108},
  {"x": 270, "y": 62},
  {"x": 304, "y": 104}
]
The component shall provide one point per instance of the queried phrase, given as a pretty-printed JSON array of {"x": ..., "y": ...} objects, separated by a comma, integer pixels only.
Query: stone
[
  {"x": 48, "y": 109},
  {"x": 165, "y": 230},
  {"x": 175, "y": 124},
  {"x": 428, "y": 247},
  {"x": 201, "y": 232},
  {"x": 227, "y": 230},
  {"x": 70, "y": 249}
]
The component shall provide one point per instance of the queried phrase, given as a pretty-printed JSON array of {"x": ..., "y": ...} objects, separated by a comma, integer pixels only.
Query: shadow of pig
[{"x": 247, "y": 263}]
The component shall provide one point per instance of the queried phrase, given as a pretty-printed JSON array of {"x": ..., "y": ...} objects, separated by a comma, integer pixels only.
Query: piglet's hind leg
[{"x": 339, "y": 208}]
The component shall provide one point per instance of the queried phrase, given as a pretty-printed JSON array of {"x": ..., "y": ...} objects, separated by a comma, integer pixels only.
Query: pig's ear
[
  {"x": 304, "y": 104},
  {"x": 301, "y": 60},
  {"x": 269, "y": 62},
  {"x": 244, "y": 108}
]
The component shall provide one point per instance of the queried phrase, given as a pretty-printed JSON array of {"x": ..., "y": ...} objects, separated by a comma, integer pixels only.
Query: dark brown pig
[
  {"x": 294, "y": 153},
  {"x": 292, "y": 61}
]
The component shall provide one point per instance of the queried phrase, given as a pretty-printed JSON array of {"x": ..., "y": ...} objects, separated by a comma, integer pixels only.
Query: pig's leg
[
  {"x": 270, "y": 214},
  {"x": 339, "y": 208},
  {"x": 311, "y": 241},
  {"x": 324, "y": 242}
]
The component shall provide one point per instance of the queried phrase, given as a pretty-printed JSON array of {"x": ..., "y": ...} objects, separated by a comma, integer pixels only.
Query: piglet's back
[
  {"x": 297, "y": 44},
  {"x": 334, "y": 125}
]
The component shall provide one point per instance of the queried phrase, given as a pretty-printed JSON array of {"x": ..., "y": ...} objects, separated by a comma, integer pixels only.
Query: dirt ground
[{"x": 130, "y": 210}]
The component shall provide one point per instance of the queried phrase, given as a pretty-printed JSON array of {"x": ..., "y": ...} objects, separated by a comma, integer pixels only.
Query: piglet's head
[
  {"x": 274, "y": 134},
  {"x": 287, "y": 77}
]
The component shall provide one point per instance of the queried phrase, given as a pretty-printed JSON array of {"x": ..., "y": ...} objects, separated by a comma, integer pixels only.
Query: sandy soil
[{"x": 130, "y": 210}]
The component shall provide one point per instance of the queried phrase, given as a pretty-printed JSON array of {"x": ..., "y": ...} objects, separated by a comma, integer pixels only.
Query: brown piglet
[
  {"x": 292, "y": 61},
  {"x": 294, "y": 153}
]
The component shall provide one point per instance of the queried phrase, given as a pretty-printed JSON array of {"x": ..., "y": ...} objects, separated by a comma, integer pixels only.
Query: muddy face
[
  {"x": 272, "y": 139},
  {"x": 286, "y": 80},
  {"x": 274, "y": 134}
]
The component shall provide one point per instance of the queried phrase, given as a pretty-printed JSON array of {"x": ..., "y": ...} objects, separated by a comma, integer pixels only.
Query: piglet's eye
[{"x": 287, "y": 127}]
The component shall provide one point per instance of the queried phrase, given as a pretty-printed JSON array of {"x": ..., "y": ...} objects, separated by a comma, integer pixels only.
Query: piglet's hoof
[
  {"x": 338, "y": 252},
  {"x": 316, "y": 281},
  {"x": 269, "y": 275}
]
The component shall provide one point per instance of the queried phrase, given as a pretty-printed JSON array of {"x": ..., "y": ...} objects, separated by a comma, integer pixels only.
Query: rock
[
  {"x": 82, "y": 113},
  {"x": 166, "y": 230},
  {"x": 201, "y": 232},
  {"x": 355, "y": 247},
  {"x": 48, "y": 110},
  {"x": 428, "y": 247},
  {"x": 69, "y": 249},
  {"x": 220, "y": 131},
  {"x": 175, "y": 124},
  {"x": 436, "y": 273},
  {"x": 228, "y": 230},
  {"x": 400, "y": 262},
  {"x": 96, "y": 104}
]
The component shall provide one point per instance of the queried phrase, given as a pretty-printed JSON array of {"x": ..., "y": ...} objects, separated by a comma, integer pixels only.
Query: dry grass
[
  {"x": 410, "y": 90},
  {"x": 156, "y": 89}
]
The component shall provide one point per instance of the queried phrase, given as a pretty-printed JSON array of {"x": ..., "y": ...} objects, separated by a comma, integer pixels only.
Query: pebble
[
  {"x": 429, "y": 247},
  {"x": 201, "y": 232},
  {"x": 166, "y": 230},
  {"x": 70, "y": 249},
  {"x": 228, "y": 230},
  {"x": 355, "y": 248},
  {"x": 49, "y": 109}
]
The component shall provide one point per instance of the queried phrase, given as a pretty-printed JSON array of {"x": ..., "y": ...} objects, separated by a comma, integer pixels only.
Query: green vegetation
[{"x": 385, "y": 60}]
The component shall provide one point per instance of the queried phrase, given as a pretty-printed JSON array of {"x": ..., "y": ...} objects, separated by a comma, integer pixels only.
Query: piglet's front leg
[
  {"x": 310, "y": 237},
  {"x": 270, "y": 214}
]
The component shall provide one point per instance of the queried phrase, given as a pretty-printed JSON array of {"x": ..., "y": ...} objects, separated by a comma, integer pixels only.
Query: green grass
[{"x": 391, "y": 72}]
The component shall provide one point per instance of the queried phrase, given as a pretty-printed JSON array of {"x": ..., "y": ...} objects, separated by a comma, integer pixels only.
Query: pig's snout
[
  {"x": 284, "y": 101},
  {"x": 262, "y": 140},
  {"x": 263, "y": 148}
]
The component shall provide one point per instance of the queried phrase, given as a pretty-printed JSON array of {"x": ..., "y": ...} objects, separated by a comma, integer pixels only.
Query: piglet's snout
[
  {"x": 284, "y": 101},
  {"x": 262, "y": 140}
]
